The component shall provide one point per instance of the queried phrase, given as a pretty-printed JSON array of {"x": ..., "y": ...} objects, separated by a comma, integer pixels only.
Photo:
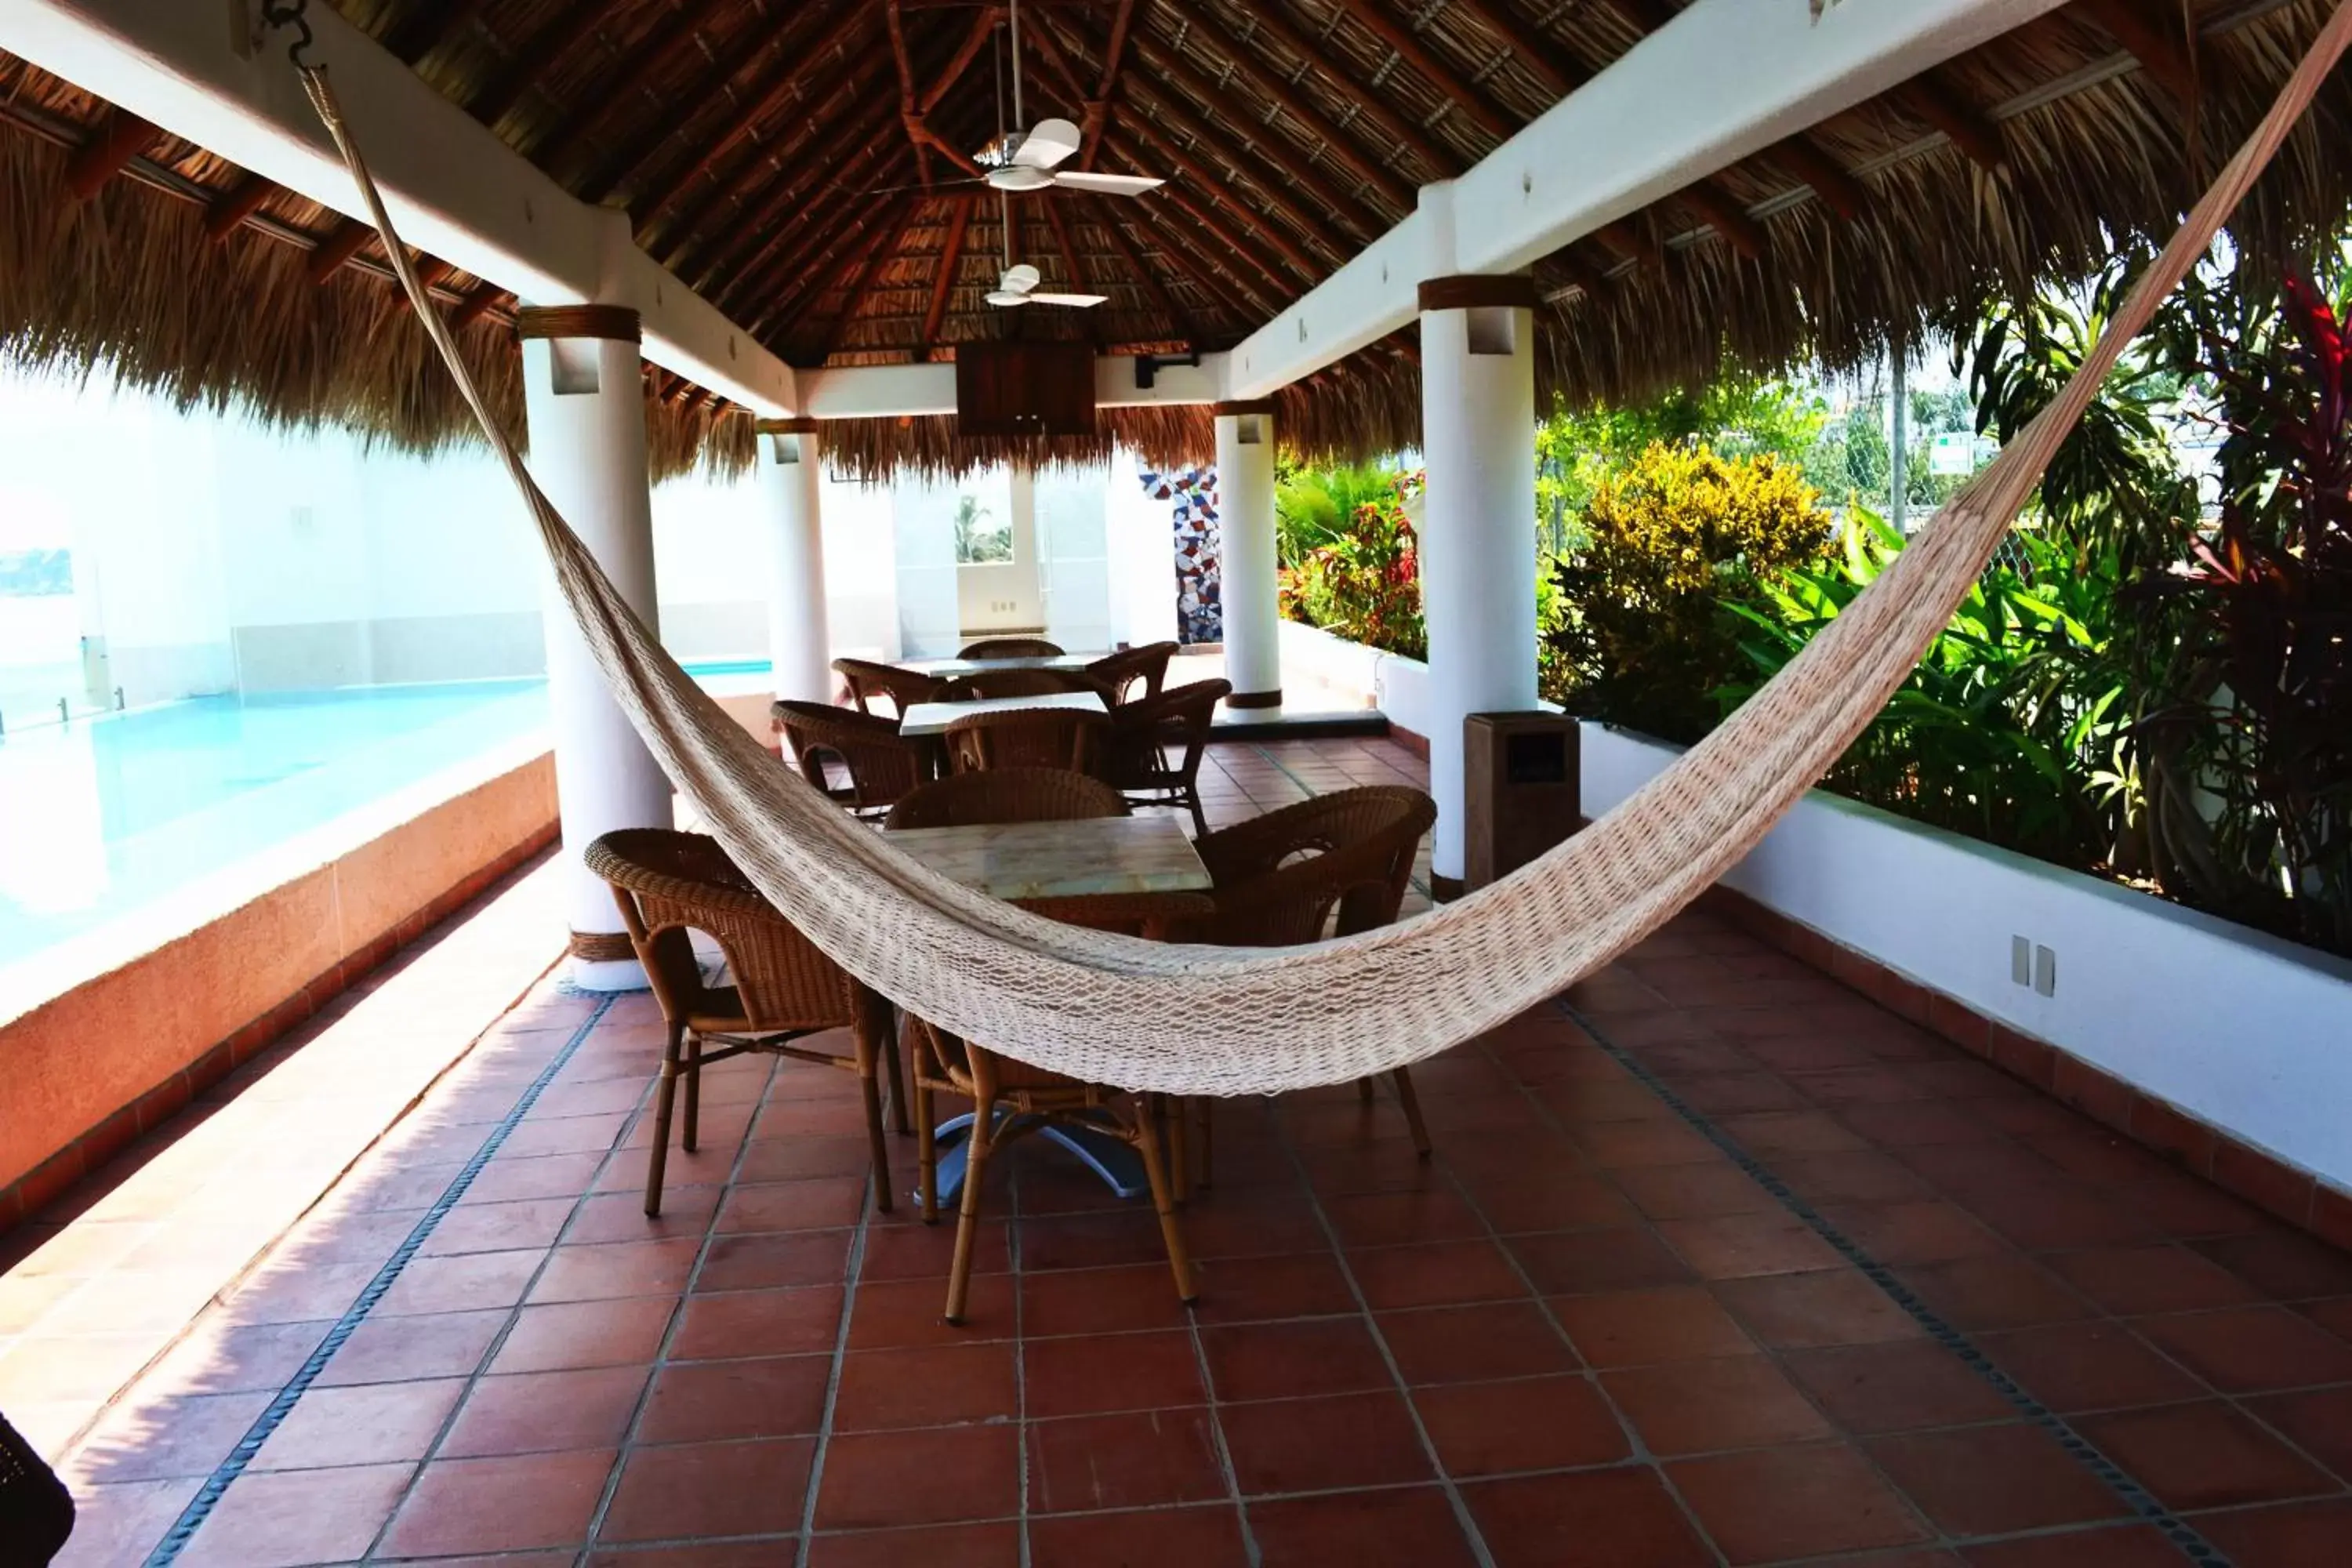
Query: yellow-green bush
[{"x": 1668, "y": 542}]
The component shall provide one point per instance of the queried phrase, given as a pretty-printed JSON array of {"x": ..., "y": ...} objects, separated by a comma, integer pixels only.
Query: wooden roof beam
[
  {"x": 1198, "y": 201},
  {"x": 1098, "y": 107},
  {"x": 1235, "y": 294},
  {"x": 814, "y": 222},
  {"x": 428, "y": 23},
  {"x": 796, "y": 176},
  {"x": 1926, "y": 98},
  {"x": 1292, "y": 105},
  {"x": 1271, "y": 21},
  {"x": 1205, "y": 180},
  {"x": 1167, "y": 114},
  {"x": 1177, "y": 315},
  {"x": 2146, "y": 33},
  {"x": 1061, "y": 228},
  {"x": 234, "y": 206},
  {"x": 1448, "y": 83},
  {"x": 887, "y": 235},
  {"x": 345, "y": 240},
  {"x": 943, "y": 280},
  {"x": 1168, "y": 66},
  {"x": 1724, "y": 214},
  {"x": 985, "y": 23},
  {"x": 538, "y": 55},
  {"x": 910, "y": 118},
  {"x": 123, "y": 137},
  {"x": 1839, "y": 190},
  {"x": 644, "y": 59}
]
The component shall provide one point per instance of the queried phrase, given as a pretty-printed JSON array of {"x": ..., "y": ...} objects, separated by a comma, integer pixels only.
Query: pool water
[{"x": 103, "y": 817}]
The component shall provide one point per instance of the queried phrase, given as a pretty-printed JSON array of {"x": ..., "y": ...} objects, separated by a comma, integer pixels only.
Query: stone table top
[
  {"x": 1062, "y": 859},
  {"x": 954, "y": 668},
  {"x": 933, "y": 718}
]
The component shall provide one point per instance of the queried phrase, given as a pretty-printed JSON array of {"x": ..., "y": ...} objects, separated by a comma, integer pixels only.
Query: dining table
[
  {"x": 924, "y": 719},
  {"x": 956, "y": 668},
  {"x": 1058, "y": 859}
]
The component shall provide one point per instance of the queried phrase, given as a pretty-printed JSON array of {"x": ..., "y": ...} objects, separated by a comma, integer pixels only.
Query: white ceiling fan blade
[
  {"x": 1080, "y": 302},
  {"x": 1007, "y": 297},
  {"x": 1108, "y": 184},
  {"x": 1049, "y": 143},
  {"x": 1020, "y": 279}
]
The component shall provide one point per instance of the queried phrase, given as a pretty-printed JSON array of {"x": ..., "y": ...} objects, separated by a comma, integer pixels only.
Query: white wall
[
  {"x": 1140, "y": 548},
  {"x": 2239, "y": 1030}
]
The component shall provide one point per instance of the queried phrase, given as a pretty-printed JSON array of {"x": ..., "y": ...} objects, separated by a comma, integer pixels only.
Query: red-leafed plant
[{"x": 2256, "y": 748}]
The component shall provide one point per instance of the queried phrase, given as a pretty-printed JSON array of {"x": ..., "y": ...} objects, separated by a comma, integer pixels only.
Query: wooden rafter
[
  {"x": 229, "y": 210},
  {"x": 811, "y": 226},
  {"x": 1191, "y": 170},
  {"x": 878, "y": 250},
  {"x": 1291, "y": 105},
  {"x": 1061, "y": 227},
  {"x": 1924, "y": 98},
  {"x": 944, "y": 280},
  {"x": 1275, "y": 149},
  {"x": 538, "y": 55},
  {"x": 985, "y": 23},
  {"x": 1107, "y": 221},
  {"x": 1099, "y": 107},
  {"x": 1449, "y": 83},
  {"x": 1838, "y": 188},
  {"x": 1723, "y": 214},
  {"x": 909, "y": 116},
  {"x": 426, "y": 24},
  {"x": 1194, "y": 255},
  {"x": 645, "y": 58},
  {"x": 1167, "y": 113},
  {"x": 761, "y": 206},
  {"x": 2151, "y": 38},
  {"x": 475, "y": 306},
  {"x": 344, "y": 241},
  {"x": 121, "y": 138},
  {"x": 1373, "y": 106},
  {"x": 1197, "y": 202},
  {"x": 795, "y": 66}
]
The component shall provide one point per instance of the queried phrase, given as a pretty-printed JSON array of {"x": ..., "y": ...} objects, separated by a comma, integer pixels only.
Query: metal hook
[{"x": 288, "y": 13}]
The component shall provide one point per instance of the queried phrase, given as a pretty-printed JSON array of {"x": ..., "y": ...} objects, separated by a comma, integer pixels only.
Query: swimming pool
[{"x": 104, "y": 816}]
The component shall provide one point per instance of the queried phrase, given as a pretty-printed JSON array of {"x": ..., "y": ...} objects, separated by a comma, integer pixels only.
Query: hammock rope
[{"x": 1223, "y": 1021}]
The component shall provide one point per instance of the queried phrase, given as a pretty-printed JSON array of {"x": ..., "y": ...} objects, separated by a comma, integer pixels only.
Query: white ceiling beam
[
  {"x": 1723, "y": 80},
  {"x": 886, "y": 391},
  {"x": 453, "y": 188}
]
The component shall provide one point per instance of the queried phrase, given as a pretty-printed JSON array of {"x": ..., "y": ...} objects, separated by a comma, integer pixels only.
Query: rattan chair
[
  {"x": 1152, "y": 753},
  {"x": 1121, "y": 671},
  {"x": 880, "y": 766},
  {"x": 868, "y": 680},
  {"x": 1006, "y": 794},
  {"x": 1033, "y": 1097},
  {"x": 668, "y": 884},
  {"x": 1332, "y": 865},
  {"x": 983, "y": 684},
  {"x": 36, "y": 1511},
  {"x": 1026, "y": 738},
  {"x": 1011, "y": 648}
]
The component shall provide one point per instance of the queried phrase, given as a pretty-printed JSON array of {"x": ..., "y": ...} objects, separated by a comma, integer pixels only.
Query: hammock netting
[{"x": 1185, "y": 1019}]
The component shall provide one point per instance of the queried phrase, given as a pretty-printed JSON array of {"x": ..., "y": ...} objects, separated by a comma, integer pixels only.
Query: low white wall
[
  {"x": 1397, "y": 686},
  {"x": 2241, "y": 1030}
]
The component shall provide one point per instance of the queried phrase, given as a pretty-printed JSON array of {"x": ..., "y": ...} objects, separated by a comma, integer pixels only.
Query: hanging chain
[{"x": 289, "y": 14}]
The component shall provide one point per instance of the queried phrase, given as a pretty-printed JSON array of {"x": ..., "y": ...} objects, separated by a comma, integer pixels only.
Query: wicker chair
[
  {"x": 1152, "y": 755},
  {"x": 880, "y": 766},
  {"x": 1034, "y": 1098},
  {"x": 983, "y": 684},
  {"x": 868, "y": 680},
  {"x": 1280, "y": 878},
  {"x": 1063, "y": 738},
  {"x": 668, "y": 884},
  {"x": 1119, "y": 671},
  {"x": 36, "y": 1511},
  {"x": 1011, "y": 648},
  {"x": 1006, "y": 794}
]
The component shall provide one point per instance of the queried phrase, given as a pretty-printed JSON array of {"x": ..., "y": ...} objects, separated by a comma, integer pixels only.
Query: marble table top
[
  {"x": 1062, "y": 859},
  {"x": 954, "y": 668},
  {"x": 933, "y": 718}
]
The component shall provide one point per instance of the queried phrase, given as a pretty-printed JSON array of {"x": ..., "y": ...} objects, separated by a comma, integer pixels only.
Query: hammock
[{"x": 1224, "y": 1021}]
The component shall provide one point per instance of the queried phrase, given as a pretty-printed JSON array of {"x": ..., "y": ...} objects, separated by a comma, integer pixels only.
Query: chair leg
[
  {"x": 1364, "y": 1090},
  {"x": 889, "y": 1048},
  {"x": 1208, "y": 1140},
  {"x": 665, "y": 1098},
  {"x": 1172, "y": 1111},
  {"x": 1200, "y": 817},
  {"x": 693, "y": 1071},
  {"x": 1155, "y": 1168},
  {"x": 975, "y": 1166},
  {"x": 927, "y": 1150},
  {"x": 871, "y": 1084},
  {"x": 1412, "y": 1103}
]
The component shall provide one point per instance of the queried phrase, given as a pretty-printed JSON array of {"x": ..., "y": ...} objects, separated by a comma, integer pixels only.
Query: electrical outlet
[
  {"x": 2020, "y": 959},
  {"x": 2046, "y": 971}
]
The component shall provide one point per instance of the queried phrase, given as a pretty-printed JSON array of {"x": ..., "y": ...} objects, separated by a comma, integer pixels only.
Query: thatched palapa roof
[{"x": 805, "y": 165}]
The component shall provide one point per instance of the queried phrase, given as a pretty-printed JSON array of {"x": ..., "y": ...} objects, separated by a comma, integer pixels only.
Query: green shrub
[
  {"x": 1364, "y": 583},
  {"x": 1643, "y": 637}
]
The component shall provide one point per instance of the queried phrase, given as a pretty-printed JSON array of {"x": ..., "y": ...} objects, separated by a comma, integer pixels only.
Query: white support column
[
  {"x": 800, "y": 642},
  {"x": 1245, "y": 553},
  {"x": 1478, "y": 533},
  {"x": 583, "y": 396}
]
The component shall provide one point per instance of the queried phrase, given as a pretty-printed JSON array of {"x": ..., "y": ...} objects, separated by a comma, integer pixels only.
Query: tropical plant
[
  {"x": 2008, "y": 729},
  {"x": 1665, "y": 545},
  {"x": 979, "y": 542},
  {"x": 1317, "y": 507},
  {"x": 1739, "y": 417},
  {"x": 1364, "y": 583}
]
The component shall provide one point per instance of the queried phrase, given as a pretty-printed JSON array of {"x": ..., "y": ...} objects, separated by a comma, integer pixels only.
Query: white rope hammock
[{"x": 1223, "y": 1021}]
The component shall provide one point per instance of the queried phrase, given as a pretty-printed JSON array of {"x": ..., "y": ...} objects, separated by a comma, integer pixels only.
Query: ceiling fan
[
  {"x": 1026, "y": 160},
  {"x": 1018, "y": 286}
]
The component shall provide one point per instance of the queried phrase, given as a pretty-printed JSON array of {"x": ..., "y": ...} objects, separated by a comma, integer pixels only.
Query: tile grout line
[
  {"x": 1251, "y": 1551},
  {"x": 1472, "y": 1535},
  {"x": 175, "y": 1539},
  {"x": 2142, "y": 1504},
  {"x": 853, "y": 1269},
  {"x": 1020, "y": 1363}
]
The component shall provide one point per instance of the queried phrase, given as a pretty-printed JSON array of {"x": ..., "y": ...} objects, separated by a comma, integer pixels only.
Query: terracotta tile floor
[{"x": 1924, "y": 1316}]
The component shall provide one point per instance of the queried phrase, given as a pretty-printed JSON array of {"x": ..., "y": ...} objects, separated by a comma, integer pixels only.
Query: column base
[
  {"x": 1445, "y": 890},
  {"x": 1255, "y": 698},
  {"x": 604, "y": 961}
]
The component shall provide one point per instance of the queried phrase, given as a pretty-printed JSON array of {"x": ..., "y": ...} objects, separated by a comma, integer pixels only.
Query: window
[{"x": 984, "y": 534}]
